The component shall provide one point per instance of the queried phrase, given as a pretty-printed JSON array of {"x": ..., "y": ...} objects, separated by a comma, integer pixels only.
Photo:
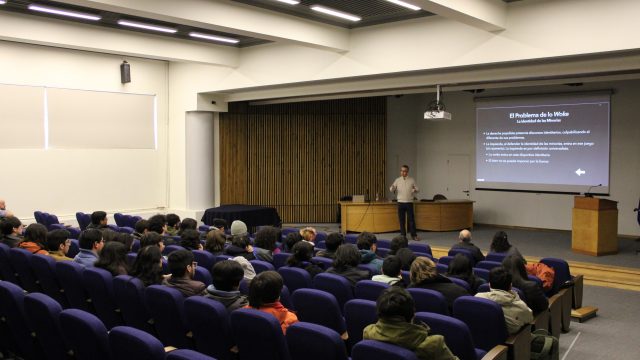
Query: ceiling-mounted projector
[{"x": 436, "y": 110}]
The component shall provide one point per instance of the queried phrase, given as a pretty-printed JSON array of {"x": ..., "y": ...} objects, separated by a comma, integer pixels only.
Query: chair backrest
[
  {"x": 445, "y": 260},
  {"x": 369, "y": 289},
  {"x": 203, "y": 275},
  {"x": 314, "y": 342},
  {"x": 358, "y": 313},
  {"x": 420, "y": 247},
  {"x": 561, "y": 269},
  {"x": 99, "y": 285},
  {"x": 322, "y": 262},
  {"x": 456, "y": 334},
  {"x": 204, "y": 259},
  {"x": 429, "y": 300},
  {"x": 351, "y": 239},
  {"x": 13, "y": 312},
  {"x": 7, "y": 271},
  {"x": 85, "y": 334},
  {"x": 83, "y": 220},
  {"x": 383, "y": 243},
  {"x": 39, "y": 216},
  {"x": 129, "y": 343},
  {"x": 120, "y": 220},
  {"x": 20, "y": 260},
  {"x": 319, "y": 307},
  {"x": 442, "y": 268},
  {"x": 260, "y": 266},
  {"x": 258, "y": 335},
  {"x": 481, "y": 273},
  {"x": 167, "y": 310},
  {"x": 171, "y": 248},
  {"x": 382, "y": 252},
  {"x": 295, "y": 278},
  {"x": 378, "y": 350},
  {"x": 44, "y": 267},
  {"x": 484, "y": 318},
  {"x": 463, "y": 284},
  {"x": 372, "y": 269},
  {"x": 223, "y": 257},
  {"x": 43, "y": 318},
  {"x": 484, "y": 264},
  {"x": 186, "y": 354},
  {"x": 497, "y": 257},
  {"x": 465, "y": 252},
  {"x": 334, "y": 284},
  {"x": 209, "y": 322},
  {"x": 280, "y": 259},
  {"x": 129, "y": 295},
  {"x": 70, "y": 278},
  {"x": 74, "y": 248}
]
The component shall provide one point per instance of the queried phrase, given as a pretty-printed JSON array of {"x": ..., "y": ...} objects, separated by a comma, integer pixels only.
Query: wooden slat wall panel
[{"x": 302, "y": 157}]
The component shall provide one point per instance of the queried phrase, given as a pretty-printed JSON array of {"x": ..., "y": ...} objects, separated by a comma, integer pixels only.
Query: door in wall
[{"x": 457, "y": 176}]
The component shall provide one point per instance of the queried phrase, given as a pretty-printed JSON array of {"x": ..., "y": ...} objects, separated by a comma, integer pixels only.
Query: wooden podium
[{"x": 595, "y": 226}]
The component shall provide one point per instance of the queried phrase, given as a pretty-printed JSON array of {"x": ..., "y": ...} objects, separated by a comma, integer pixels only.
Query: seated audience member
[
  {"x": 35, "y": 239},
  {"x": 190, "y": 240},
  {"x": 406, "y": 257},
  {"x": 113, "y": 258},
  {"x": 543, "y": 272},
  {"x": 125, "y": 239},
  {"x": 141, "y": 228},
  {"x": 535, "y": 298},
  {"x": 265, "y": 243},
  {"x": 187, "y": 224},
  {"x": 301, "y": 258},
  {"x": 249, "y": 271},
  {"x": 215, "y": 242},
  {"x": 460, "y": 268},
  {"x": 220, "y": 225},
  {"x": 333, "y": 241},
  {"x": 516, "y": 312},
  {"x": 465, "y": 243},
  {"x": 12, "y": 229},
  {"x": 395, "y": 325},
  {"x": 152, "y": 238},
  {"x": 366, "y": 243},
  {"x": 264, "y": 295},
  {"x": 227, "y": 275},
  {"x": 346, "y": 264},
  {"x": 3, "y": 209},
  {"x": 58, "y": 244},
  {"x": 91, "y": 244},
  {"x": 309, "y": 235},
  {"x": 500, "y": 244},
  {"x": 158, "y": 224},
  {"x": 424, "y": 276},
  {"x": 397, "y": 243},
  {"x": 182, "y": 268},
  {"x": 240, "y": 242},
  {"x": 391, "y": 271},
  {"x": 290, "y": 240},
  {"x": 148, "y": 266},
  {"x": 99, "y": 220},
  {"x": 108, "y": 235},
  {"x": 173, "y": 224}
]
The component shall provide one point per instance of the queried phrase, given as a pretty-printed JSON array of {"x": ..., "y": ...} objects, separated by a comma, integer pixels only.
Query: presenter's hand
[{"x": 392, "y": 188}]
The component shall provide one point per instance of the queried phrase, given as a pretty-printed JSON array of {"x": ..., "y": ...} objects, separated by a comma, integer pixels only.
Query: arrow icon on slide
[{"x": 580, "y": 172}]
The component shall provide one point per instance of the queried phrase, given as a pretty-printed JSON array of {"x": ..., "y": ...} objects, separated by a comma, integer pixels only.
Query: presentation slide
[{"x": 550, "y": 143}]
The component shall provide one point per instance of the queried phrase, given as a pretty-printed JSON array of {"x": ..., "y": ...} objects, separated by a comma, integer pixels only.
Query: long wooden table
[{"x": 382, "y": 216}]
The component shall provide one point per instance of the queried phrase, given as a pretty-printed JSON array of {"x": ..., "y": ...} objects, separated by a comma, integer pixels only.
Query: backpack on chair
[{"x": 544, "y": 346}]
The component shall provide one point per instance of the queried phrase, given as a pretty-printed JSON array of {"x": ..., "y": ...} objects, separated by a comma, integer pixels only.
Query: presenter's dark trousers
[{"x": 405, "y": 212}]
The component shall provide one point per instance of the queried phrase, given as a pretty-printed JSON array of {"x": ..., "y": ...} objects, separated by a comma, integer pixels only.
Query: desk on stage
[
  {"x": 252, "y": 215},
  {"x": 382, "y": 216}
]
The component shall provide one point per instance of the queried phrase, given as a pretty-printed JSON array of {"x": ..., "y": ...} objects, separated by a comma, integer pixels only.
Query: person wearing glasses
[{"x": 183, "y": 268}]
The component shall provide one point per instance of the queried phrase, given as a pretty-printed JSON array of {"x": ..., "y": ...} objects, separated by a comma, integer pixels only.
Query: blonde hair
[
  {"x": 422, "y": 269},
  {"x": 308, "y": 233}
]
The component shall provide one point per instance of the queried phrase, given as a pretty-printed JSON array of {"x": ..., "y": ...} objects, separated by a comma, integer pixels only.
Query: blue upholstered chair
[
  {"x": 295, "y": 278},
  {"x": 280, "y": 259},
  {"x": 129, "y": 343},
  {"x": 44, "y": 267},
  {"x": 6, "y": 270},
  {"x": 99, "y": 285},
  {"x": 359, "y": 313},
  {"x": 322, "y": 262},
  {"x": 20, "y": 260},
  {"x": 456, "y": 334},
  {"x": 334, "y": 284},
  {"x": 204, "y": 259},
  {"x": 208, "y": 320},
  {"x": 43, "y": 314},
  {"x": 369, "y": 289},
  {"x": 487, "y": 264},
  {"x": 14, "y": 322},
  {"x": 70, "y": 278},
  {"x": 258, "y": 335},
  {"x": 260, "y": 266},
  {"x": 420, "y": 247},
  {"x": 307, "y": 341},
  {"x": 186, "y": 354},
  {"x": 83, "y": 220},
  {"x": 319, "y": 307},
  {"x": 85, "y": 334},
  {"x": 378, "y": 350},
  {"x": 166, "y": 306},
  {"x": 429, "y": 300},
  {"x": 130, "y": 298}
]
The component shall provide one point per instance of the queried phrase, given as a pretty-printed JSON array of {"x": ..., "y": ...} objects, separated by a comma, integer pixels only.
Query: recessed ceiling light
[
  {"x": 290, "y": 2},
  {"x": 140, "y": 25},
  {"x": 63, "y": 12},
  {"x": 2, "y": 2},
  {"x": 340, "y": 14},
  {"x": 213, "y": 37},
  {"x": 405, "y": 4}
]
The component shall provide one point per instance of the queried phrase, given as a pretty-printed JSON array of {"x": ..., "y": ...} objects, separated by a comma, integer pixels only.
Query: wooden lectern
[{"x": 595, "y": 226}]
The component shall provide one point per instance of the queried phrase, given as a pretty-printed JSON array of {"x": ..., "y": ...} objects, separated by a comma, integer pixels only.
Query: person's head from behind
[
  {"x": 173, "y": 221},
  {"x": 366, "y": 241},
  {"x": 460, "y": 265},
  {"x": 392, "y": 266},
  {"x": 190, "y": 240},
  {"x": 215, "y": 241},
  {"x": 125, "y": 239},
  {"x": 188, "y": 224},
  {"x": 241, "y": 241},
  {"x": 465, "y": 236},
  {"x": 227, "y": 275},
  {"x": 333, "y": 241},
  {"x": 515, "y": 265},
  {"x": 11, "y": 225},
  {"x": 142, "y": 226},
  {"x": 500, "y": 279},
  {"x": 99, "y": 218},
  {"x": 347, "y": 255},
  {"x": 267, "y": 237},
  {"x": 302, "y": 251},
  {"x": 406, "y": 257},
  {"x": 113, "y": 256},
  {"x": 91, "y": 240},
  {"x": 500, "y": 242},
  {"x": 152, "y": 238},
  {"x": 397, "y": 243},
  {"x": 220, "y": 224},
  {"x": 36, "y": 233},
  {"x": 395, "y": 303},
  {"x": 422, "y": 269},
  {"x": 58, "y": 240},
  {"x": 108, "y": 235},
  {"x": 148, "y": 265},
  {"x": 265, "y": 288},
  {"x": 158, "y": 223},
  {"x": 308, "y": 234},
  {"x": 291, "y": 239},
  {"x": 181, "y": 264}
]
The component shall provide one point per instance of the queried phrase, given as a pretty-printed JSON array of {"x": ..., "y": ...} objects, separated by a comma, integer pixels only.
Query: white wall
[
  {"x": 436, "y": 140},
  {"x": 200, "y": 160}
]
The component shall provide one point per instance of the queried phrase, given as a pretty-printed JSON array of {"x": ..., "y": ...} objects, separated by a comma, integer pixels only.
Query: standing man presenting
[{"x": 404, "y": 187}]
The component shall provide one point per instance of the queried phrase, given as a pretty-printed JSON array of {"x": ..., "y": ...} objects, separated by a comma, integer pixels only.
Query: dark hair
[
  {"x": 346, "y": 255},
  {"x": 178, "y": 262},
  {"x": 266, "y": 238},
  {"x": 500, "y": 243},
  {"x": 157, "y": 223},
  {"x": 173, "y": 220},
  {"x": 147, "y": 266},
  {"x": 190, "y": 239},
  {"x": 333, "y": 241},
  {"x": 398, "y": 243},
  {"x": 302, "y": 251},
  {"x": 108, "y": 235},
  {"x": 395, "y": 302},
  {"x": 500, "y": 278},
  {"x": 55, "y": 238},
  {"x": 97, "y": 217},
  {"x": 241, "y": 241},
  {"x": 125, "y": 239},
  {"x": 392, "y": 266},
  {"x": 265, "y": 288},
  {"x": 291, "y": 239},
  {"x": 188, "y": 224},
  {"x": 366, "y": 240},
  {"x": 36, "y": 233},
  {"x": 227, "y": 275},
  {"x": 215, "y": 241},
  {"x": 406, "y": 257},
  {"x": 9, "y": 223},
  {"x": 151, "y": 238},
  {"x": 113, "y": 258},
  {"x": 88, "y": 238},
  {"x": 460, "y": 266},
  {"x": 514, "y": 264},
  {"x": 219, "y": 223},
  {"x": 141, "y": 226},
  {"x": 405, "y": 166}
]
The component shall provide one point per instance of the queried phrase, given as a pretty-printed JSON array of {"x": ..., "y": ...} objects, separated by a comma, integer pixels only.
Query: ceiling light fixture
[
  {"x": 405, "y": 4},
  {"x": 139, "y": 25},
  {"x": 2, "y": 2},
  {"x": 340, "y": 14},
  {"x": 63, "y": 12},
  {"x": 290, "y": 2},
  {"x": 213, "y": 37}
]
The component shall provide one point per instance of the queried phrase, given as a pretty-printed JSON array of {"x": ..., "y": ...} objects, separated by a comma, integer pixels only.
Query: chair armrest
[
  {"x": 555, "y": 315},
  {"x": 541, "y": 320},
  {"x": 567, "y": 298},
  {"x": 578, "y": 288},
  {"x": 499, "y": 352},
  {"x": 520, "y": 344}
]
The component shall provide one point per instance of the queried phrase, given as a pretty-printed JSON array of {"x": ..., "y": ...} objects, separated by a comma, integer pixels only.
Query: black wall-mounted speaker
[{"x": 125, "y": 72}]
